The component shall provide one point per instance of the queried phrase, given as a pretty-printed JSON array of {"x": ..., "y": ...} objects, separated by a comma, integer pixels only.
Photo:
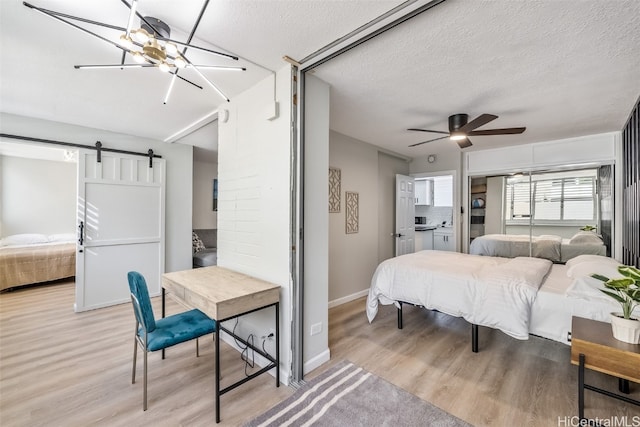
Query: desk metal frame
[{"x": 274, "y": 362}]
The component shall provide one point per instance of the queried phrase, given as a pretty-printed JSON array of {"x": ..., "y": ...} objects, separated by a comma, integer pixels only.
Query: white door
[
  {"x": 405, "y": 215},
  {"x": 120, "y": 219}
]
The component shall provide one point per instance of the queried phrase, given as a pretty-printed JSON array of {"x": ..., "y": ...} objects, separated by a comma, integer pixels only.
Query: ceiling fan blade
[
  {"x": 431, "y": 131},
  {"x": 464, "y": 143},
  {"x": 424, "y": 142},
  {"x": 481, "y": 120},
  {"x": 506, "y": 131}
]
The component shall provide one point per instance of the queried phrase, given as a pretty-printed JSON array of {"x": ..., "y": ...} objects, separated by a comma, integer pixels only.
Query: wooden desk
[
  {"x": 222, "y": 295},
  {"x": 594, "y": 347}
]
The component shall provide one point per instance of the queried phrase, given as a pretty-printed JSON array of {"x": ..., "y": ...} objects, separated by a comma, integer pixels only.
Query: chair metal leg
[
  {"x": 135, "y": 357},
  {"x": 197, "y": 348},
  {"x": 144, "y": 393}
]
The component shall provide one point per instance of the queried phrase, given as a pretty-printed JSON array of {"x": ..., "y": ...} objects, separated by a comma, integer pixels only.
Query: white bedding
[
  {"x": 547, "y": 246},
  {"x": 570, "y": 250},
  {"x": 514, "y": 245},
  {"x": 566, "y": 290},
  {"x": 488, "y": 291},
  {"x": 560, "y": 297}
]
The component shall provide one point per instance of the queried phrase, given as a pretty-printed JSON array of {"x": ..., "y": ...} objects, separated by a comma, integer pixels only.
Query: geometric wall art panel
[
  {"x": 351, "y": 216},
  {"x": 334, "y": 190}
]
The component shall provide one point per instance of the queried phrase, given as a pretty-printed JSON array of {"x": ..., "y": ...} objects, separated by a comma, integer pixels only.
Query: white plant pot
[{"x": 626, "y": 330}]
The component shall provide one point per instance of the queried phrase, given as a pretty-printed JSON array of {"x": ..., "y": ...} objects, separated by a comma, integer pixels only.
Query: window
[{"x": 569, "y": 196}]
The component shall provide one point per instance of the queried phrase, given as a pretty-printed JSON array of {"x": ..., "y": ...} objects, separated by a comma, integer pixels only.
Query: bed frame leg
[
  {"x": 474, "y": 338},
  {"x": 400, "y": 316}
]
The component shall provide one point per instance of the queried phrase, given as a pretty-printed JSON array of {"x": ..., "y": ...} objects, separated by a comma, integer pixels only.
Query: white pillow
[
  {"x": 62, "y": 237},
  {"x": 24, "y": 239},
  {"x": 586, "y": 237},
  {"x": 586, "y": 269},
  {"x": 591, "y": 258}
]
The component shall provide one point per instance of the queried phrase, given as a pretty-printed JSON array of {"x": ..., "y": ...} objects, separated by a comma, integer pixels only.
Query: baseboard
[
  {"x": 259, "y": 360},
  {"x": 348, "y": 298},
  {"x": 317, "y": 361}
]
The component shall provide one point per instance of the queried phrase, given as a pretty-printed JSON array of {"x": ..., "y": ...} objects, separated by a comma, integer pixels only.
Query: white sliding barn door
[{"x": 120, "y": 222}]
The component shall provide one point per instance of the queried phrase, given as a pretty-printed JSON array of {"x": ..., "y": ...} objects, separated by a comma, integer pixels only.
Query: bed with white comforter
[
  {"x": 549, "y": 246},
  {"x": 519, "y": 296}
]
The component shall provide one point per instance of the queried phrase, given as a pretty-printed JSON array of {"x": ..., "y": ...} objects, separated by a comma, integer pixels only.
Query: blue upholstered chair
[{"x": 153, "y": 335}]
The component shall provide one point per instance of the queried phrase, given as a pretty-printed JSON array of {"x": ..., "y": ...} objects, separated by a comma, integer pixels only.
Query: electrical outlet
[
  {"x": 316, "y": 329},
  {"x": 271, "y": 335}
]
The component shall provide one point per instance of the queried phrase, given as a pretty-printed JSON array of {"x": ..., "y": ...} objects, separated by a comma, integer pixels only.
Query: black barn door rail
[{"x": 98, "y": 147}]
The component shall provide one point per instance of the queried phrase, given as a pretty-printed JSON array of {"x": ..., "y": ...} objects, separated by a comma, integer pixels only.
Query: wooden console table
[
  {"x": 594, "y": 347},
  {"x": 222, "y": 295}
]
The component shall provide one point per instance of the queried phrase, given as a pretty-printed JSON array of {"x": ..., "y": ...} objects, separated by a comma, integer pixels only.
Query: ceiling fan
[
  {"x": 460, "y": 129},
  {"x": 150, "y": 45}
]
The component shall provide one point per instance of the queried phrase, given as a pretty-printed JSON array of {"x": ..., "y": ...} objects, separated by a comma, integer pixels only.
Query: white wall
[
  {"x": 448, "y": 161},
  {"x": 179, "y": 173},
  {"x": 254, "y": 199},
  {"x": 37, "y": 196},
  {"x": 316, "y": 222},
  {"x": 203, "y": 175},
  {"x": 353, "y": 257}
]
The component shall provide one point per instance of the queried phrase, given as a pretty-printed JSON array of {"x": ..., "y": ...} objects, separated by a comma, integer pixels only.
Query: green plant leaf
[
  {"x": 622, "y": 283},
  {"x": 614, "y": 296},
  {"x": 600, "y": 277},
  {"x": 630, "y": 272}
]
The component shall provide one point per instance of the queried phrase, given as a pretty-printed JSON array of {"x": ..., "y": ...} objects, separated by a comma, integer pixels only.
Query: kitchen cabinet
[
  {"x": 443, "y": 240},
  {"x": 424, "y": 191},
  {"x": 442, "y": 191}
]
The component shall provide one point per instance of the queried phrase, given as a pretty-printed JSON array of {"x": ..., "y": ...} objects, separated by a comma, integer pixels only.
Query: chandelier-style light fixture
[
  {"x": 150, "y": 49},
  {"x": 149, "y": 45}
]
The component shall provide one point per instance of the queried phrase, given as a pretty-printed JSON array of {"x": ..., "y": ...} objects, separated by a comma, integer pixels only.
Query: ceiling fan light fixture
[
  {"x": 164, "y": 67},
  {"x": 457, "y": 136}
]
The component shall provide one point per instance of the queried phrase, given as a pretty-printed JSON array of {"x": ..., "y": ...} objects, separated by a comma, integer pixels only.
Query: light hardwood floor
[{"x": 60, "y": 368}]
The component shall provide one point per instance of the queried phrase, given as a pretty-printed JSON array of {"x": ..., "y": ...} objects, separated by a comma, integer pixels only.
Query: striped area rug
[{"x": 347, "y": 395}]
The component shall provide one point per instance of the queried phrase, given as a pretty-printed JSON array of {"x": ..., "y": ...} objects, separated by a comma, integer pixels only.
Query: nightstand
[{"x": 594, "y": 347}]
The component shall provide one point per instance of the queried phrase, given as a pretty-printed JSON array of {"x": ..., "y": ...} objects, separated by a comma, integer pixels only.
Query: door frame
[{"x": 457, "y": 203}]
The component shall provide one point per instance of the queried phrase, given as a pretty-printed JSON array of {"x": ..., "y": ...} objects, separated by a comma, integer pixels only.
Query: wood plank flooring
[
  {"x": 508, "y": 383},
  {"x": 60, "y": 368}
]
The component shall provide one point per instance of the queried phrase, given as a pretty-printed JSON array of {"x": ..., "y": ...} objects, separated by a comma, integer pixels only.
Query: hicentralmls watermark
[{"x": 615, "y": 421}]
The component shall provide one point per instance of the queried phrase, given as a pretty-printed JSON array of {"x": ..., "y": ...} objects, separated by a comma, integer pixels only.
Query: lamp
[{"x": 149, "y": 43}]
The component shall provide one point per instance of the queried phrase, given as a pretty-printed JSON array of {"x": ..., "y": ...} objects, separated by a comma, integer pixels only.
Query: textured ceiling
[{"x": 560, "y": 68}]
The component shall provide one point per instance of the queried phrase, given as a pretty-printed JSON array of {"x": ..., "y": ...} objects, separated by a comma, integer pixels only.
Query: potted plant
[
  {"x": 625, "y": 290},
  {"x": 588, "y": 228}
]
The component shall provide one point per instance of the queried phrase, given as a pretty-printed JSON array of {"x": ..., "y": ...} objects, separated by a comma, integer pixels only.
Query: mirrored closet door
[{"x": 553, "y": 214}]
